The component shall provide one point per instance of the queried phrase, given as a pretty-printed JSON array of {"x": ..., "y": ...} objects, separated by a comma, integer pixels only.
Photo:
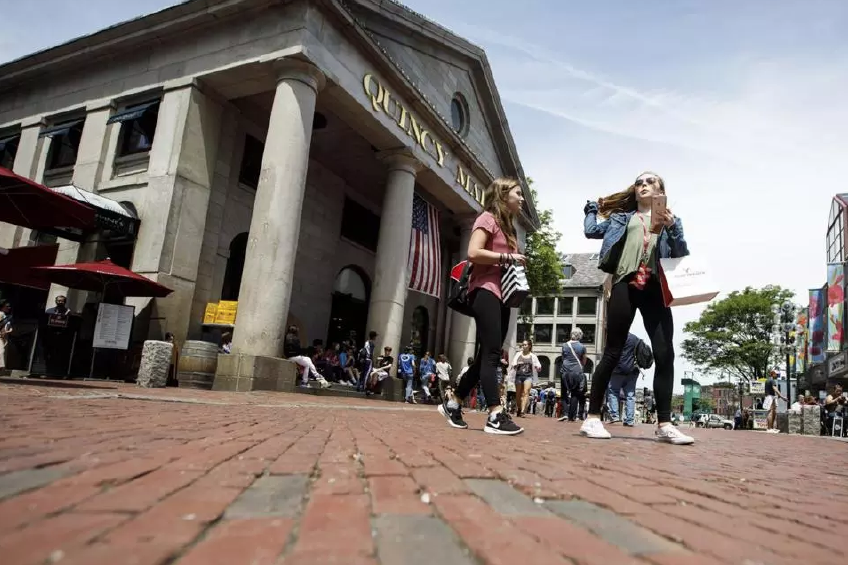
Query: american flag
[{"x": 425, "y": 250}]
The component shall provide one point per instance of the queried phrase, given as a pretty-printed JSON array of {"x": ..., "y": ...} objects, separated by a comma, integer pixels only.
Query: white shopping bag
[{"x": 686, "y": 280}]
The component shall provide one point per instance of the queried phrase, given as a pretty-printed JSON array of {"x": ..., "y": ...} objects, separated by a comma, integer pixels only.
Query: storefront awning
[
  {"x": 26, "y": 203},
  {"x": 15, "y": 265},
  {"x": 132, "y": 113},
  {"x": 109, "y": 215}
]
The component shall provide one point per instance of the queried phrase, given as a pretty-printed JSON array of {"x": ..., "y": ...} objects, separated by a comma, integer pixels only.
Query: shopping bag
[
  {"x": 686, "y": 280},
  {"x": 514, "y": 286}
]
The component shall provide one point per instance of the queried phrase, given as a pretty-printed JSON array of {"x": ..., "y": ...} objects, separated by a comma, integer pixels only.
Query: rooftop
[{"x": 584, "y": 271}]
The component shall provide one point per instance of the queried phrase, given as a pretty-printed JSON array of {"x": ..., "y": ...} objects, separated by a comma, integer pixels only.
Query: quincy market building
[{"x": 271, "y": 152}]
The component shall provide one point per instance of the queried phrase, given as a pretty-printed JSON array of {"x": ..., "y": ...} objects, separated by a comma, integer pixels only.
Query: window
[
  {"x": 8, "y": 149},
  {"x": 251, "y": 161},
  {"x": 588, "y": 333},
  {"x": 543, "y": 334},
  {"x": 566, "y": 306},
  {"x": 835, "y": 234},
  {"x": 459, "y": 114},
  {"x": 563, "y": 333},
  {"x": 64, "y": 143},
  {"x": 526, "y": 307},
  {"x": 522, "y": 332},
  {"x": 567, "y": 271},
  {"x": 360, "y": 225},
  {"x": 588, "y": 305},
  {"x": 545, "y": 306},
  {"x": 138, "y": 127}
]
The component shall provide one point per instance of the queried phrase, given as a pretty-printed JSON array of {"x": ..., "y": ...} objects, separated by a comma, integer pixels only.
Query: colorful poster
[
  {"x": 801, "y": 341},
  {"x": 835, "y": 305},
  {"x": 818, "y": 327}
]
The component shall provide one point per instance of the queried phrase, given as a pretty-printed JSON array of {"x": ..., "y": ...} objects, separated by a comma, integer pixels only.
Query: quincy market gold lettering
[{"x": 383, "y": 101}]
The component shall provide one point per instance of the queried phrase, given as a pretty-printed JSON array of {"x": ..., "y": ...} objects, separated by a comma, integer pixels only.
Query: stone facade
[{"x": 291, "y": 76}]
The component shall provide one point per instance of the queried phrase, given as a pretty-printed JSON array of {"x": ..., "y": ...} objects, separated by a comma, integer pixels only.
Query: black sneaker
[
  {"x": 452, "y": 415},
  {"x": 502, "y": 425}
]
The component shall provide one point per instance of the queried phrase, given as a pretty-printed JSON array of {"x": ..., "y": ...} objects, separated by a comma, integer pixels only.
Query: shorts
[
  {"x": 768, "y": 402},
  {"x": 520, "y": 380}
]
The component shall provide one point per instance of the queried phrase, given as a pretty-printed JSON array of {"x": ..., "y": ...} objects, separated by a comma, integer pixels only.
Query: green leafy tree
[
  {"x": 734, "y": 334},
  {"x": 544, "y": 267}
]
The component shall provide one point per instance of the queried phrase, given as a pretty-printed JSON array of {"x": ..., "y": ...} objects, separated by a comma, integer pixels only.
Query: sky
[{"x": 739, "y": 106}]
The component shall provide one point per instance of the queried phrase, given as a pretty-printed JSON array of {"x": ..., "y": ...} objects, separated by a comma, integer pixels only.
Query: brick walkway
[{"x": 101, "y": 473}]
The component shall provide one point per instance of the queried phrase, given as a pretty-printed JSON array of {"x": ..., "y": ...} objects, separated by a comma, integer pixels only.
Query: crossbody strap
[{"x": 579, "y": 362}]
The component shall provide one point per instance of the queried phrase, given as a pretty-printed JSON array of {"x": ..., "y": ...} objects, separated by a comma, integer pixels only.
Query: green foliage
[
  {"x": 734, "y": 334},
  {"x": 544, "y": 268}
]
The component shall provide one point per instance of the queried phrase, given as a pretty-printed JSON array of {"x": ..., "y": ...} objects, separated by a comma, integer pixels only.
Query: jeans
[
  {"x": 628, "y": 383},
  {"x": 623, "y": 302},
  {"x": 492, "y": 319},
  {"x": 408, "y": 378}
]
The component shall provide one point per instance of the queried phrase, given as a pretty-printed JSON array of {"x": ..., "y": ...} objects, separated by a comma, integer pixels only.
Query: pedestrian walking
[
  {"x": 526, "y": 367},
  {"x": 493, "y": 245},
  {"x": 630, "y": 253},
  {"x": 573, "y": 380},
  {"x": 623, "y": 379}
]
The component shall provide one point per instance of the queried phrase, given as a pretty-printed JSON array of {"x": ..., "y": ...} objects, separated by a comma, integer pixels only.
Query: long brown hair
[
  {"x": 495, "y": 203},
  {"x": 624, "y": 201}
]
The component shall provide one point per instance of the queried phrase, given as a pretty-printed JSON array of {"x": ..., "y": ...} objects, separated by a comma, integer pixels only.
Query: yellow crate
[
  {"x": 211, "y": 313},
  {"x": 228, "y": 306}
]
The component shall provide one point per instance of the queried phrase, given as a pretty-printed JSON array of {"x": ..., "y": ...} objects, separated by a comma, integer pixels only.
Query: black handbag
[{"x": 458, "y": 297}]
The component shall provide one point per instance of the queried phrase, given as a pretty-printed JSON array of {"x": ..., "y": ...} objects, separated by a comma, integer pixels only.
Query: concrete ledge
[
  {"x": 245, "y": 373},
  {"x": 393, "y": 389}
]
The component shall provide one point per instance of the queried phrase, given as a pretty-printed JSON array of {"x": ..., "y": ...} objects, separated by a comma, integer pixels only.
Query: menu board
[{"x": 114, "y": 326}]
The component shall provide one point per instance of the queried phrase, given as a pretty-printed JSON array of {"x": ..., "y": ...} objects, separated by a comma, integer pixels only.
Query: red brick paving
[{"x": 150, "y": 473}]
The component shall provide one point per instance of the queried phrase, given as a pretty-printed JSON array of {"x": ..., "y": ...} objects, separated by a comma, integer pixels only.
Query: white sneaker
[
  {"x": 670, "y": 434},
  {"x": 593, "y": 428},
  {"x": 773, "y": 431}
]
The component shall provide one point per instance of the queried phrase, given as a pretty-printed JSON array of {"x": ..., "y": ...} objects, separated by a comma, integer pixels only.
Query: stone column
[
  {"x": 87, "y": 171},
  {"x": 463, "y": 336},
  {"x": 385, "y": 312},
  {"x": 173, "y": 207},
  {"x": 275, "y": 227},
  {"x": 26, "y": 161}
]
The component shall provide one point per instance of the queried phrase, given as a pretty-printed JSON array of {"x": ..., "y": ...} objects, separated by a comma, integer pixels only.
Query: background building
[{"x": 548, "y": 320}]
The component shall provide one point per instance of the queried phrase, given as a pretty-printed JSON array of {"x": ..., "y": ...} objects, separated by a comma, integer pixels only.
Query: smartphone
[{"x": 658, "y": 208}]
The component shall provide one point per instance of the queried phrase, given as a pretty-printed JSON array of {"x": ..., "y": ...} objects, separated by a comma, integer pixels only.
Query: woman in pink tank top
[{"x": 493, "y": 244}]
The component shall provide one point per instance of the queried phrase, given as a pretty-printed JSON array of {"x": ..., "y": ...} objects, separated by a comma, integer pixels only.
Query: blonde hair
[
  {"x": 624, "y": 201},
  {"x": 496, "y": 204}
]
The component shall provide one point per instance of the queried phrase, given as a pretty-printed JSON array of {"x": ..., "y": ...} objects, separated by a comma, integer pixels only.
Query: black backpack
[
  {"x": 644, "y": 355},
  {"x": 458, "y": 296}
]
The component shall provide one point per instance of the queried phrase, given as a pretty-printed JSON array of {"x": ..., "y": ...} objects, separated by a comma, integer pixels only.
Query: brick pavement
[{"x": 96, "y": 473}]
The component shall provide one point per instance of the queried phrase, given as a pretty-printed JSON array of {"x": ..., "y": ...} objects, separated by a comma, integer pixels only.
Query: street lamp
[{"x": 783, "y": 345}]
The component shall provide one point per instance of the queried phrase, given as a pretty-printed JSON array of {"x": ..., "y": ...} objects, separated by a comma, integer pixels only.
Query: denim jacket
[{"x": 671, "y": 242}]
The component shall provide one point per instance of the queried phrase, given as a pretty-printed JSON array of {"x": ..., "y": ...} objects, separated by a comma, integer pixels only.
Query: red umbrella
[
  {"x": 100, "y": 275},
  {"x": 26, "y": 203}
]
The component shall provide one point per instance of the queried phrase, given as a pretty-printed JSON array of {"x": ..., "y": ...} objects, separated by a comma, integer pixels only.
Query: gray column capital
[
  {"x": 400, "y": 160},
  {"x": 34, "y": 122},
  {"x": 103, "y": 104},
  {"x": 301, "y": 71}
]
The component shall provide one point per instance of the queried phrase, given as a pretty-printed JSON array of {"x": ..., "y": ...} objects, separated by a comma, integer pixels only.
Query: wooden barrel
[{"x": 198, "y": 362}]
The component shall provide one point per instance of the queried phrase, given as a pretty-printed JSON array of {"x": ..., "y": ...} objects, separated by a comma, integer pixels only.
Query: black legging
[
  {"x": 623, "y": 302},
  {"x": 492, "y": 320}
]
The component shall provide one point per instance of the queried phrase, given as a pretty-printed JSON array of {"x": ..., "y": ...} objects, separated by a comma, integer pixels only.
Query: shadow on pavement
[{"x": 55, "y": 384}]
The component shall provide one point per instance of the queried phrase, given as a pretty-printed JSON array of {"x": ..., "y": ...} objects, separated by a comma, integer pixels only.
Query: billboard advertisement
[
  {"x": 818, "y": 327},
  {"x": 835, "y": 305}
]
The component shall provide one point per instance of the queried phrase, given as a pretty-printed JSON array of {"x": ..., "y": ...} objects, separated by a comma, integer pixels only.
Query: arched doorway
[
  {"x": 420, "y": 336},
  {"x": 349, "y": 311},
  {"x": 545, "y": 373},
  {"x": 235, "y": 267}
]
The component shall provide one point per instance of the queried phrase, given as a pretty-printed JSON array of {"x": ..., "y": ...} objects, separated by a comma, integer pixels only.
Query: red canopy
[
  {"x": 100, "y": 275},
  {"x": 26, "y": 203},
  {"x": 16, "y": 265}
]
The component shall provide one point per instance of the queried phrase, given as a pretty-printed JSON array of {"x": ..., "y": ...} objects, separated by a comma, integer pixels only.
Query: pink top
[{"x": 489, "y": 276}]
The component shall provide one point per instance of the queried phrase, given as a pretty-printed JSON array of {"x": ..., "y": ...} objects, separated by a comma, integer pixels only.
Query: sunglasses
[{"x": 649, "y": 181}]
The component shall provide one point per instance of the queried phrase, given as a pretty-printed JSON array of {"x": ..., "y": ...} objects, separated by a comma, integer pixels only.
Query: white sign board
[
  {"x": 757, "y": 387},
  {"x": 114, "y": 326}
]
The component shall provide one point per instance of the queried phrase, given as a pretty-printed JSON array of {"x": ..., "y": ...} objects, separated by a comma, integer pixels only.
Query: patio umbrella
[
  {"x": 99, "y": 276},
  {"x": 26, "y": 203}
]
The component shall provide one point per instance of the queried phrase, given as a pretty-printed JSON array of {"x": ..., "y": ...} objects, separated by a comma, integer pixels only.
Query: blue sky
[{"x": 740, "y": 106}]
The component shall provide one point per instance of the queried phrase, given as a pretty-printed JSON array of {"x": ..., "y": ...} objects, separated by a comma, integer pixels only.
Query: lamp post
[{"x": 784, "y": 344}]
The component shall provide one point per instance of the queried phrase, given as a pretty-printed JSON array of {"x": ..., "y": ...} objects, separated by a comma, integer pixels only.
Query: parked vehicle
[{"x": 716, "y": 421}]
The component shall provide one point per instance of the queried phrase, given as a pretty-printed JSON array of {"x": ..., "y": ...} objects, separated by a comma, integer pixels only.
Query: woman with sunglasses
[{"x": 630, "y": 253}]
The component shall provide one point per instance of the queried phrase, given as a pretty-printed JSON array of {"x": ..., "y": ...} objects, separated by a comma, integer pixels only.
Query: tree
[
  {"x": 734, "y": 334},
  {"x": 544, "y": 268}
]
